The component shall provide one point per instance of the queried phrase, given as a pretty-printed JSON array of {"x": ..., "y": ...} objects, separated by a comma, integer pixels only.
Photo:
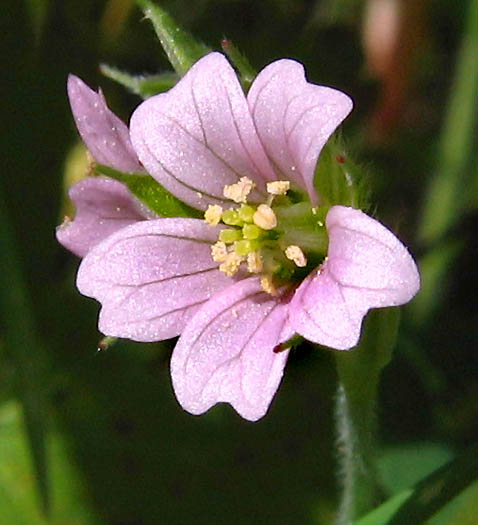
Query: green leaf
[
  {"x": 425, "y": 499},
  {"x": 143, "y": 85},
  {"x": 247, "y": 73},
  {"x": 22, "y": 342},
  {"x": 149, "y": 191},
  {"x": 180, "y": 46}
]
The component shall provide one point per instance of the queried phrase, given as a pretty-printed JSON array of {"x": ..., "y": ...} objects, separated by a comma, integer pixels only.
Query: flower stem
[{"x": 355, "y": 412}]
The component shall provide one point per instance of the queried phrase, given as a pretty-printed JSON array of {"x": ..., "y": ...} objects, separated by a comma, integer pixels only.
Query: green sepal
[
  {"x": 143, "y": 85},
  {"x": 338, "y": 179},
  {"x": 182, "y": 49},
  {"x": 291, "y": 343},
  {"x": 247, "y": 73},
  {"x": 151, "y": 193}
]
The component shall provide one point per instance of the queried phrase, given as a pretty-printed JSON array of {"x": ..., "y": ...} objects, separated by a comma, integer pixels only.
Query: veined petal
[
  {"x": 151, "y": 277},
  {"x": 103, "y": 206},
  {"x": 367, "y": 267},
  {"x": 294, "y": 119},
  {"x": 199, "y": 136},
  {"x": 225, "y": 353},
  {"x": 104, "y": 134}
]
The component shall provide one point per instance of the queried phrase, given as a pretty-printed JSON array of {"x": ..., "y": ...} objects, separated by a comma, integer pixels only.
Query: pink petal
[
  {"x": 367, "y": 267},
  {"x": 104, "y": 134},
  {"x": 151, "y": 277},
  {"x": 199, "y": 136},
  {"x": 103, "y": 206},
  {"x": 225, "y": 353},
  {"x": 294, "y": 119}
]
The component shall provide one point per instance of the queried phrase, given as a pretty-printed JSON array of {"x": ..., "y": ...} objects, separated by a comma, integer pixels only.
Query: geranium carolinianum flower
[
  {"x": 103, "y": 205},
  {"x": 267, "y": 261}
]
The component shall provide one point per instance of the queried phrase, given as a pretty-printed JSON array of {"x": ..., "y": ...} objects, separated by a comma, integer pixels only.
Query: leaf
[
  {"x": 425, "y": 499},
  {"x": 143, "y": 85},
  {"x": 149, "y": 191},
  {"x": 180, "y": 46}
]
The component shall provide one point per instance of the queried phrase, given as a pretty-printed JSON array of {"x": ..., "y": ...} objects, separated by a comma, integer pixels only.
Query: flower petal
[
  {"x": 294, "y": 119},
  {"x": 103, "y": 206},
  {"x": 104, "y": 134},
  {"x": 199, "y": 136},
  {"x": 151, "y": 277},
  {"x": 367, "y": 267},
  {"x": 225, "y": 353}
]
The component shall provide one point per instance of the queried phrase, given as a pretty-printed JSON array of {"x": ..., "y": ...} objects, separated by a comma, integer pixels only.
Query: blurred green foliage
[{"x": 104, "y": 431}]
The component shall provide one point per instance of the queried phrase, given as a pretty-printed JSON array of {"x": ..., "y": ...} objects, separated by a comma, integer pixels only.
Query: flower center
[{"x": 280, "y": 240}]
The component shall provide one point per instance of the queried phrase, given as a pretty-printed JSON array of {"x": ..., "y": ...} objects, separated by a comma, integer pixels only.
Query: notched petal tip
[
  {"x": 226, "y": 352},
  {"x": 367, "y": 267}
]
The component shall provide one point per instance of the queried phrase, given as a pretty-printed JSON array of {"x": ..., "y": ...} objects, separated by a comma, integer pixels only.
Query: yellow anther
[
  {"x": 294, "y": 253},
  {"x": 268, "y": 285},
  {"x": 219, "y": 251},
  {"x": 278, "y": 187},
  {"x": 265, "y": 217},
  {"x": 230, "y": 236},
  {"x": 213, "y": 214},
  {"x": 254, "y": 262},
  {"x": 251, "y": 231},
  {"x": 239, "y": 191},
  {"x": 231, "y": 264},
  {"x": 246, "y": 213}
]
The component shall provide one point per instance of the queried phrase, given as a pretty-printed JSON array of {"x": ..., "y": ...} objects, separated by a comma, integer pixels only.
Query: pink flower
[
  {"x": 245, "y": 279},
  {"x": 103, "y": 205}
]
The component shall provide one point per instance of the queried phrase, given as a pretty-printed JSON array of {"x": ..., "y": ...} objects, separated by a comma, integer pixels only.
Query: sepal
[
  {"x": 150, "y": 192},
  {"x": 182, "y": 49},
  {"x": 143, "y": 85}
]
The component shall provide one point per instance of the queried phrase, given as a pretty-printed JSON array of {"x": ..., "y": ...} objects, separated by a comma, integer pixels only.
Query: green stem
[
  {"x": 356, "y": 429},
  {"x": 359, "y": 374}
]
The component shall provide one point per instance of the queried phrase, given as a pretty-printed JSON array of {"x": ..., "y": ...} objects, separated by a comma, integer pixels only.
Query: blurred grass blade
[
  {"x": 430, "y": 495},
  {"x": 182, "y": 48},
  {"x": 445, "y": 201},
  {"x": 38, "y": 10},
  {"x": 143, "y": 85},
  {"x": 22, "y": 343}
]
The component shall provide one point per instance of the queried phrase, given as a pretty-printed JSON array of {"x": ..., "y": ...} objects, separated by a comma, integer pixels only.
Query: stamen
[
  {"x": 254, "y": 262},
  {"x": 244, "y": 246},
  {"x": 231, "y": 265},
  {"x": 246, "y": 213},
  {"x": 294, "y": 253},
  {"x": 268, "y": 285},
  {"x": 213, "y": 214},
  {"x": 278, "y": 187},
  {"x": 265, "y": 217},
  {"x": 239, "y": 191},
  {"x": 219, "y": 251}
]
